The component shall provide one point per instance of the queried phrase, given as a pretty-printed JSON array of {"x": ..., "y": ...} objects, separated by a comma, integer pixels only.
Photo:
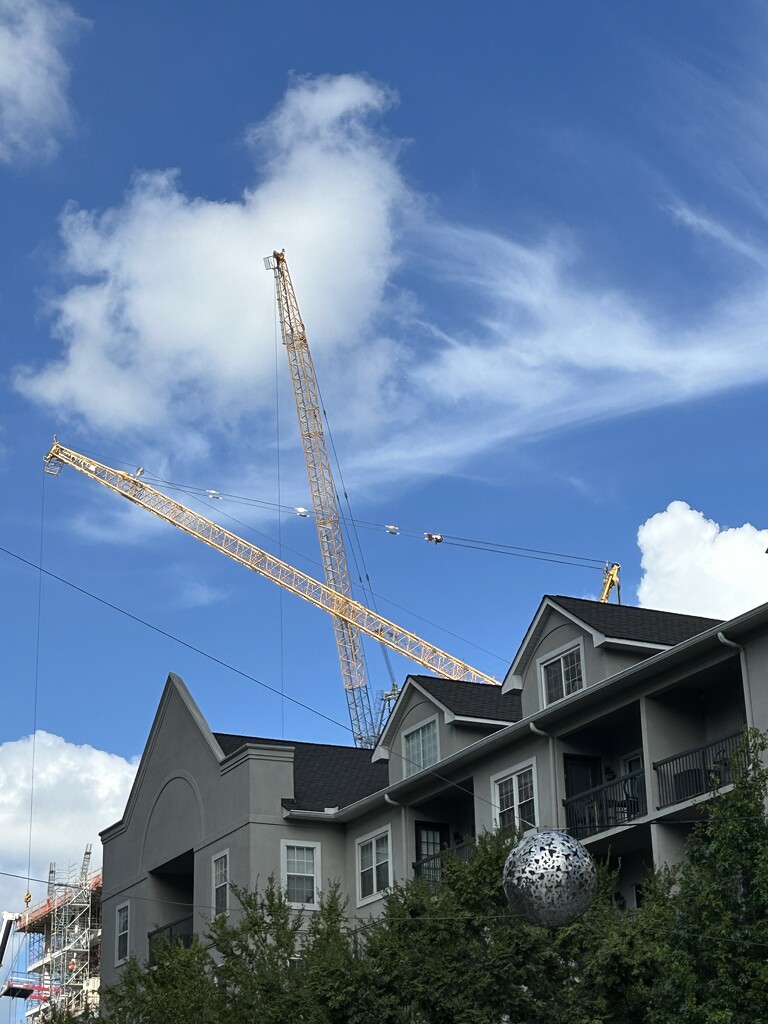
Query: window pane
[
  {"x": 122, "y": 919},
  {"x": 220, "y": 870},
  {"x": 301, "y": 888},
  {"x": 525, "y": 785},
  {"x": 366, "y": 883},
  {"x": 382, "y": 876},
  {"x": 366, "y": 855},
  {"x": 420, "y": 748},
  {"x": 382, "y": 849},
  {"x": 572, "y": 671},
  {"x": 300, "y": 860},
  {"x": 527, "y": 814},
  {"x": 220, "y": 899},
  {"x": 122, "y": 946},
  {"x": 554, "y": 681}
]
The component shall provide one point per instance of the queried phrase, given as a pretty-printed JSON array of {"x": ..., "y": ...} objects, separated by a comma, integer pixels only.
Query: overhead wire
[
  {"x": 272, "y": 689},
  {"x": 279, "y": 531},
  {"x": 223, "y": 514},
  {"x": 451, "y": 540}
]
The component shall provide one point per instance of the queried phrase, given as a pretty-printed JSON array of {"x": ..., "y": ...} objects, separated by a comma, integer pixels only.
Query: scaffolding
[{"x": 64, "y": 933}]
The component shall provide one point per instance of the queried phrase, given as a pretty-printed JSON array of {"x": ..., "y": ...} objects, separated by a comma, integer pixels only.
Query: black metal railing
[
  {"x": 614, "y": 803},
  {"x": 178, "y": 932},
  {"x": 696, "y": 771},
  {"x": 432, "y": 868}
]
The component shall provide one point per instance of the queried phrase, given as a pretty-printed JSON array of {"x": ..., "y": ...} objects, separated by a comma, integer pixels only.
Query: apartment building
[{"x": 610, "y": 723}]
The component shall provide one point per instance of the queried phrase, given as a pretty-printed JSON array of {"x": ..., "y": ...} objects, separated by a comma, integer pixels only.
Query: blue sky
[{"x": 529, "y": 244}]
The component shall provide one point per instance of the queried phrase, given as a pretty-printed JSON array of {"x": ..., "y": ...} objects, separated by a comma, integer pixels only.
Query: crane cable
[
  {"x": 27, "y": 894},
  {"x": 355, "y": 542},
  {"x": 436, "y": 537}
]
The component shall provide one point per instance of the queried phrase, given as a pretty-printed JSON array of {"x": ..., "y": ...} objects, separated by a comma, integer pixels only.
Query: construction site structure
[
  {"x": 63, "y": 944},
  {"x": 365, "y": 723},
  {"x": 272, "y": 568}
]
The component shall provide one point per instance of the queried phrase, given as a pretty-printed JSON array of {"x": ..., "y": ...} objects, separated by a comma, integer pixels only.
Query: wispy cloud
[
  {"x": 34, "y": 76},
  {"x": 168, "y": 331}
]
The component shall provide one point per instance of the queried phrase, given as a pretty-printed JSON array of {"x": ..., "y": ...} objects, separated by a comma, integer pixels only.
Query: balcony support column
[
  {"x": 553, "y": 787},
  {"x": 746, "y": 683},
  {"x": 403, "y": 829}
]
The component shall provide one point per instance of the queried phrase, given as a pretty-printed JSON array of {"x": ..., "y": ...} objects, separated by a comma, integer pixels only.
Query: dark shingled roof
[
  {"x": 324, "y": 775},
  {"x": 644, "y": 625},
  {"x": 473, "y": 700}
]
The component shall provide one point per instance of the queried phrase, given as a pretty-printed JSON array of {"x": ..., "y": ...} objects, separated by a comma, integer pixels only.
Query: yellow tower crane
[
  {"x": 323, "y": 491},
  {"x": 318, "y": 594}
]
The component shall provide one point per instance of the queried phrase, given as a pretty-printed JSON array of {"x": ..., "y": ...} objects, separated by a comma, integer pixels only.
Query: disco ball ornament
[{"x": 550, "y": 879}]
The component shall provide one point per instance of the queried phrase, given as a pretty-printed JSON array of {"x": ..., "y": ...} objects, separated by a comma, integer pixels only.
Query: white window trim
[
  {"x": 284, "y": 844},
  {"x": 507, "y": 774},
  {"x": 545, "y": 659},
  {"x": 407, "y": 732},
  {"x": 119, "y": 961},
  {"x": 214, "y": 858},
  {"x": 387, "y": 831}
]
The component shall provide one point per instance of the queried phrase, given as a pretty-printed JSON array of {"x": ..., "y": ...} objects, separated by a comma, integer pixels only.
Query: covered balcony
[
  {"x": 604, "y": 807},
  {"x": 178, "y": 932},
  {"x": 432, "y": 868},
  {"x": 604, "y": 773},
  {"x": 444, "y": 826},
  {"x": 696, "y": 771}
]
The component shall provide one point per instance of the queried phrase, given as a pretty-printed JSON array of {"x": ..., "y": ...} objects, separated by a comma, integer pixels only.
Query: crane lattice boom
[
  {"x": 332, "y": 554},
  {"x": 318, "y": 594}
]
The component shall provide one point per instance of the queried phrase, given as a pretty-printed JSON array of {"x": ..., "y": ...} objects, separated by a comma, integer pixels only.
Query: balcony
[
  {"x": 177, "y": 932},
  {"x": 433, "y": 868},
  {"x": 615, "y": 803},
  {"x": 696, "y": 771}
]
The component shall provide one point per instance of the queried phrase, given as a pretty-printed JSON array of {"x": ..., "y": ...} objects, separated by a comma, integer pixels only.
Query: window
[
  {"x": 373, "y": 866},
  {"x": 514, "y": 797},
  {"x": 562, "y": 675},
  {"x": 122, "y": 920},
  {"x": 221, "y": 883},
  {"x": 420, "y": 747},
  {"x": 300, "y": 871}
]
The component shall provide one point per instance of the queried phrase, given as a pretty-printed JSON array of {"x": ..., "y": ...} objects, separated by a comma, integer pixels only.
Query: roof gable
[
  {"x": 459, "y": 700},
  {"x": 613, "y": 624},
  {"x": 174, "y": 692}
]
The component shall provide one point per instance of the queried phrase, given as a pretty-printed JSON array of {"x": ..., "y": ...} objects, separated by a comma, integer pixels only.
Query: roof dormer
[{"x": 573, "y": 643}]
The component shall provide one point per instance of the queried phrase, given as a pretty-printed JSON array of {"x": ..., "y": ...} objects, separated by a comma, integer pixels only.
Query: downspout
[
  {"x": 552, "y": 768},
  {"x": 403, "y": 829},
  {"x": 744, "y": 675}
]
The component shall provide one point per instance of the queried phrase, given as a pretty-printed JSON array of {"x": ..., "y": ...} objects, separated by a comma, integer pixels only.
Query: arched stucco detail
[{"x": 175, "y": 823}]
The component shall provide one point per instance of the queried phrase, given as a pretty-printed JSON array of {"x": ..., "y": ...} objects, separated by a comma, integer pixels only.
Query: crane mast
[
  {"x": 242, "y": 551},
  {"x": 332, "y": 554}
]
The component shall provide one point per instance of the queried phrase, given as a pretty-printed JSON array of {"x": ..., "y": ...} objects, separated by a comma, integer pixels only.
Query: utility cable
[
  {"x": 279, "y": 532},
  {"x": 37, "y": 675},
  {"x": 293, "y": 700},
  {"x": 497, "y": 547}
]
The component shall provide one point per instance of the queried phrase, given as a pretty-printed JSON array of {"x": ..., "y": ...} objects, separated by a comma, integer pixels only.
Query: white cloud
[
  {"x": 34, "y": 76},
  {"x": 78, "y": 791},
  {"x": 691, "y": 564},
  {"x": 168, "y": 329}
]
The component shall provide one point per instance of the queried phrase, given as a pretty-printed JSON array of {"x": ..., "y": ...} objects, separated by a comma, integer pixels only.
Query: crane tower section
[{"x": 323, "y": 492}]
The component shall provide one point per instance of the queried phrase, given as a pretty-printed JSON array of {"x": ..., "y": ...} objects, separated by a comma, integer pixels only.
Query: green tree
[{"x": 178, "y": 989}]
